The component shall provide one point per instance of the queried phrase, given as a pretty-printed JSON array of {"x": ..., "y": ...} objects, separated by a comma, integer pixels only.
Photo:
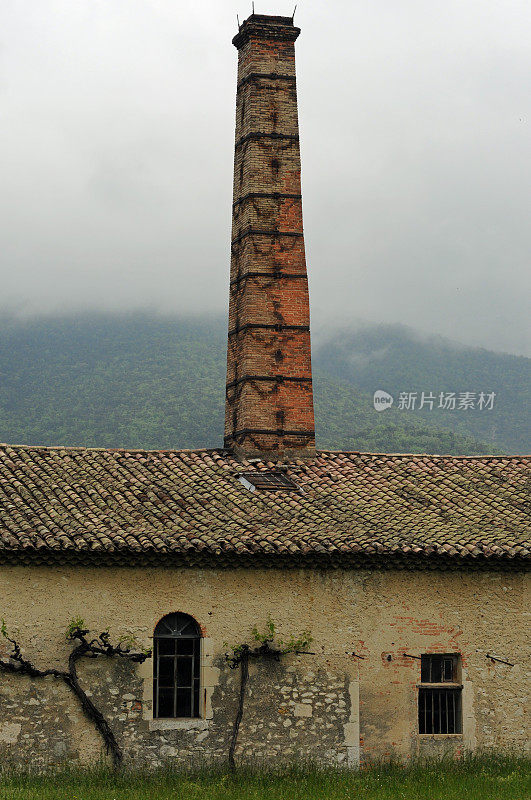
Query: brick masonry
[{"x": 269, "y": 398}]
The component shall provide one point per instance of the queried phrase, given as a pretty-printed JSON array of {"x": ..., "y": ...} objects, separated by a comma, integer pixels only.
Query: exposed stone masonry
[{"x": 287, "y": 713}]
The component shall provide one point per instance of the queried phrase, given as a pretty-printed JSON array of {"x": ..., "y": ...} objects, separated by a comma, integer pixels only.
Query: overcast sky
[{"x": 116, "y": 147}]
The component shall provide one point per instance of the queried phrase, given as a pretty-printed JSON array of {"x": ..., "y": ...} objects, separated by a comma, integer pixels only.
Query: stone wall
[{"x": 330, "y": 707}]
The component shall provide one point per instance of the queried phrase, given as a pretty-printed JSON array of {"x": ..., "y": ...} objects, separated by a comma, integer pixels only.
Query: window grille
[
  {"x": 439, "y": 701},
  {"x": 438, "y": 669},
  {"x": 176, "y": 665}
]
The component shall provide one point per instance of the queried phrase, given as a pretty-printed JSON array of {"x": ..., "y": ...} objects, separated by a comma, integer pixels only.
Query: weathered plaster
[
  {"x": 352, "y": 727},
  {"x": 331, "y": 707}
]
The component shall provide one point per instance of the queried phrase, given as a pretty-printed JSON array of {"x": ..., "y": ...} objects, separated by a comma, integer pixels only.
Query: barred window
[
  {"x": 176, "y": 665},
  {"x": 439, "y": 699}
]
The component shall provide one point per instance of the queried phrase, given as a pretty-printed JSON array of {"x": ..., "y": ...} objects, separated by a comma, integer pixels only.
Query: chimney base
[{"x": 267, "y": 447}]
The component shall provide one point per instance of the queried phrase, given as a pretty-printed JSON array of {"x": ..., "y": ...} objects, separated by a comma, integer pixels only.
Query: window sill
[
  {"x": 439, "y": 685},
  {"x": 182, "y": 724},
  {"x": 440, "y": 735}
]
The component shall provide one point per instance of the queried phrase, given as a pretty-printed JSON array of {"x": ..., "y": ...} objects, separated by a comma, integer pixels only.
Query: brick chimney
[{"x": 269, "y": 398}]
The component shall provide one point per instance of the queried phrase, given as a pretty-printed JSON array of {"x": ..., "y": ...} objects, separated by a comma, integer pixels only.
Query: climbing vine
[
  {"x": 83, "y": 647},
  {"x": 268, "y": 647}
]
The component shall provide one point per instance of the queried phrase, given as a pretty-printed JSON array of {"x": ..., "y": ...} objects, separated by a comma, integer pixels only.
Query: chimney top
[{"x": 262, "y": 26}]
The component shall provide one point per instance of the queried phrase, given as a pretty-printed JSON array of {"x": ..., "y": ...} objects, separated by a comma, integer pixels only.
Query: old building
[{"x": 410, "y": 571}]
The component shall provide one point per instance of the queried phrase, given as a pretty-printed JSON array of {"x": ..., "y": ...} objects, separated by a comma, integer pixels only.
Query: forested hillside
[
  {"x": 398, "y": 360},
  {"x": 156, "y": 382}
]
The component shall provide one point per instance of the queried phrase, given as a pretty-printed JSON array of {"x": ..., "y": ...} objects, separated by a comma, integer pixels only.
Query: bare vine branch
[
  {"x": 93, "y": 648},
  {"x": 242, "y": 653}
]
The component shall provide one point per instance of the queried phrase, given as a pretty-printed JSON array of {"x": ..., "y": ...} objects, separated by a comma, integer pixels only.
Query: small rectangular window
[{"x": 439, "y": 701}]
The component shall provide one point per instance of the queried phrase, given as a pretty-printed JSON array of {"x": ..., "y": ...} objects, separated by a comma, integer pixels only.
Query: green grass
[{"x": 486, "y": 778}]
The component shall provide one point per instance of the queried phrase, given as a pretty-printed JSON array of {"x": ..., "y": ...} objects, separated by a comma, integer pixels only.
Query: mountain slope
[
  {"x": 396, "y": 359},
  {"x": 154, "y": 382}
]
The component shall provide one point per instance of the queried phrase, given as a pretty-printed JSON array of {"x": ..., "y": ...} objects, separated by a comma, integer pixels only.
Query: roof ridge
[
  {"x": 222, "y": 450},
  {"x": 426, "y": 455},
  {"x": 84, "y": 448}
]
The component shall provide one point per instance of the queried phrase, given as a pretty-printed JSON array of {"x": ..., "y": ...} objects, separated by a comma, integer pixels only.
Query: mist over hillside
[
  {"x": 401, "y": 361},
  {"x": 148, "y": 381}
]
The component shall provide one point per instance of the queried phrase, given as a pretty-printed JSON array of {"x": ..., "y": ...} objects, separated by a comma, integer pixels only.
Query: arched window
[{"x": 176, "y": 652}]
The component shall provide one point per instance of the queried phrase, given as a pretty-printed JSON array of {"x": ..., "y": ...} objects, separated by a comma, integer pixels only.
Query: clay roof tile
[{"x": 354, "y": 509}]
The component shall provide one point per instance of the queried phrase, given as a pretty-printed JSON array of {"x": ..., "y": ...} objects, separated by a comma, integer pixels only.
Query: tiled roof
[{"x": 189, "y": 507}]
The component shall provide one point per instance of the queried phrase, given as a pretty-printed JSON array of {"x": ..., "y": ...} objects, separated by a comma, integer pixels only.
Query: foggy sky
[{"x": 116, "y": 148}]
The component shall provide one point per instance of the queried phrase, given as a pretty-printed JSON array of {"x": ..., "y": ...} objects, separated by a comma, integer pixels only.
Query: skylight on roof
[{"x": 272, "y": 481}]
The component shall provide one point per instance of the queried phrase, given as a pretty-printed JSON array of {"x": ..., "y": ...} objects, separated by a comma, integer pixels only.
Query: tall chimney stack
[{"x": 269, "y": 398}]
